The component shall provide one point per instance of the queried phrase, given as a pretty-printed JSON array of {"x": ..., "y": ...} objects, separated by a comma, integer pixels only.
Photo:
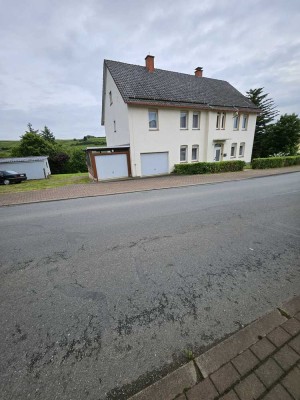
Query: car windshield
[{"x": 11, "y": 172}]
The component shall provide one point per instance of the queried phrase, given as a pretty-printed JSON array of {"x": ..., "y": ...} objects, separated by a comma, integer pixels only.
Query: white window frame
[
  {"x": 198, "y": 115},
  {"x": 245, "y": 122},
  {"x": 184, "y": 147},
  {"x": 223, "y": 120},
  {"x": 187, "y": 120},
  {"x": 153, "y": 110},
  {"x": 218, "y": 121},
  {"x": 236, "y": 121},
  {"x": 110, "y": 98},
  {"x": 233, "y": 145},
  {"x": 242, "y": 146},
  {"x": 195, "y": 147}
]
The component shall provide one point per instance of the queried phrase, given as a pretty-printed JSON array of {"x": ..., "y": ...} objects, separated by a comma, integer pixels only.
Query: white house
[
  {"x": 33, "y": 167},
  {"x": 157, "y": 118}
]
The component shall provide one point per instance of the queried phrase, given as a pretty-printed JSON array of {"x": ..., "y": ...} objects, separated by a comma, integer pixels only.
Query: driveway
[{"x": 101, "y": 296}]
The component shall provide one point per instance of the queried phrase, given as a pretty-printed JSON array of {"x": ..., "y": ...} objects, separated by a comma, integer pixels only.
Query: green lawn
[{"x": 51, "y": 182}]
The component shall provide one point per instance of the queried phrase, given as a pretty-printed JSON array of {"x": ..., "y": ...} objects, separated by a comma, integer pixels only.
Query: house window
[
  {"x": 242, "y": 150},
  {"x": 218, "y": 120},
  {"x": 236, "y": 121},
  {"x": 110, "y": 98},
  {"x": 223, "y": 120},
  {"x": 183, "y": 120},
  {"x": 196, "y": 120},
  {"x": 115, "y": 127},
  {"x": 245, "y": 122},
  {"x": 183, "y": 153},
  {"x": 153, "y": 119},
  {"x": 195, "y": 152},
  {"x": 233, "y": 150}
]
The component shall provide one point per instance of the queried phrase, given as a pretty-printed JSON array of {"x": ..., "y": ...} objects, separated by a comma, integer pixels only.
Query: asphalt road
[{"x": 100, "y": 296}]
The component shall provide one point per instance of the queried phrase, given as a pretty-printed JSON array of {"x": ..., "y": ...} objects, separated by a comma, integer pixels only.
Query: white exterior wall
[
  {"x": 32, "y": 169},
  {"x": 169, "y": 137},
  {"x": 232, "y": 136},
  {"x": 117, "y": 111}
]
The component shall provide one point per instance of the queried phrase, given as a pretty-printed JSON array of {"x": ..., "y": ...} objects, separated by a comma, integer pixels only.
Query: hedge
[
  {"x": 275, "y": 162},
  {"x": 209, "y": 167}
]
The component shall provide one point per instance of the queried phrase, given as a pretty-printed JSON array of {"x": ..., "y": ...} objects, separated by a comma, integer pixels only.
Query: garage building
[{"x": 33, "y": 167}]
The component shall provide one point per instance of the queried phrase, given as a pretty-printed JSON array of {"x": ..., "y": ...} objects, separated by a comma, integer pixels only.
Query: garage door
[
  {"x": 154, "y": 163},
  {"x": 111, "y": 166}
]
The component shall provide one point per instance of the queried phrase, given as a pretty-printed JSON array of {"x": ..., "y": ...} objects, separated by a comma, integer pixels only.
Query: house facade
[{"x": 166, "y": 118}]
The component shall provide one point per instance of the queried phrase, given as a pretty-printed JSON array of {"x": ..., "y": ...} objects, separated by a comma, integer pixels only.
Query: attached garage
[
  {"x": 154, "y": 163},
  {"x": 110, "y": 166},
  {"x": 108, "y": 162}
]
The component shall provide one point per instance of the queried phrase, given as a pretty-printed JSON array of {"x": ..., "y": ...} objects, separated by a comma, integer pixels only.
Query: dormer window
[{"x": 110, "y": 98}]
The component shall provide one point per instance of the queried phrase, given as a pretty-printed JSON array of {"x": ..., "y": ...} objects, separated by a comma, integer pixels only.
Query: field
[
  {"x": 51, "y": 182},
  {"x": 67, "y": 145}
]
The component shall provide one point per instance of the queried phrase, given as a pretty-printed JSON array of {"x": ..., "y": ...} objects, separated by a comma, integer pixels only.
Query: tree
[
  {"x": 78, "y": 161},
  {"x": 32, "y": 144},
  {"x": 266, "y": 117},
  {"x": 59, "y": 163},
  {"x": 30, "y": 129},
  {"x": 283, "y": 136},
  {"x": 48, "y": 135}
]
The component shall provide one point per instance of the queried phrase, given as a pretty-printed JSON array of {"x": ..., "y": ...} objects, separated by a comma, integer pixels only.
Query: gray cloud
[{"x": 51, "y": 53}]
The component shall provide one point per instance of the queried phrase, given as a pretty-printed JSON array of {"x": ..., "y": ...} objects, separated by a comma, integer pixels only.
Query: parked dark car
[{"x": 7, "y": 177}]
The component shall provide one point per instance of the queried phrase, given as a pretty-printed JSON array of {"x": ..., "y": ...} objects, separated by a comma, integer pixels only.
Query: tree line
[
  {"x": 43, "y": 143},
  {"x": 273, "y": 138}
]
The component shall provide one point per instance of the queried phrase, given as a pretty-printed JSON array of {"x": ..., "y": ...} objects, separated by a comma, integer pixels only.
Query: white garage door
[
  {"x": 111, "y": 166},
  {"x": 154, "y": 163}
]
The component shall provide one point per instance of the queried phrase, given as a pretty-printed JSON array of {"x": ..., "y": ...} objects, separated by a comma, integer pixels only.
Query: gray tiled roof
[
  {"x": 22, "y": 159},
  {"x": 136, "y": 84}
]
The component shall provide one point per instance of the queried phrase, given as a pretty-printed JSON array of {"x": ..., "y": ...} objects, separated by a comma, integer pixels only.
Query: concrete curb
[{"x": 186, "y": 382}]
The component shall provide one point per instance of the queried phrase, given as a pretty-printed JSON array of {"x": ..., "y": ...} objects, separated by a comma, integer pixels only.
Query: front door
[{"x": 218, "y": 148}]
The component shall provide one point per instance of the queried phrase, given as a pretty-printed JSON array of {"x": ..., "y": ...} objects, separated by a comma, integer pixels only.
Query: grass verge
[{"x": 52, "y": 182}]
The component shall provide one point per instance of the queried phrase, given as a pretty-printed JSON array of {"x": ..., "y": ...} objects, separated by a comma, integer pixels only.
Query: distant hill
[{"x": 67, "y": 144}]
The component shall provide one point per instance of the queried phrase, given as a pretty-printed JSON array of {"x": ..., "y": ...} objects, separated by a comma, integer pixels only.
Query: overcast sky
[{"x": 51, "y": 53}]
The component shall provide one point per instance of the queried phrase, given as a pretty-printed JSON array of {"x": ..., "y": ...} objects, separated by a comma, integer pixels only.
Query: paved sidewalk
[
  {"x": 261, "y": 361},
  {"x": 134, "y": 185}
]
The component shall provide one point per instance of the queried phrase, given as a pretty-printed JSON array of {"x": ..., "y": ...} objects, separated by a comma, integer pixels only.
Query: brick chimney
[
  {"x": 198, "y": 72},
  {"x": 150, "y": 63}
]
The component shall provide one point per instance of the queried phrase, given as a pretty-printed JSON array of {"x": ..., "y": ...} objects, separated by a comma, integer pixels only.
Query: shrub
[
  {"x": 209, "y": 167},
  {"x": 275, "y": 162}
]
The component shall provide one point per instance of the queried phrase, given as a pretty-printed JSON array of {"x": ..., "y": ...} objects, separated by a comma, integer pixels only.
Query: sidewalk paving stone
[
  {"x": 292, "y": 306},
  {"x": 295, "y": 344},
  {"x": 278, "y": 393},
  {"x": 263, "y": 348},
  {"x": 225, "y": 377},
  {"x": 269, "y": 372},
  {"x": 250, "y": 388},
  {"x": 292, "y": 326},
  {"x": 245, "y": 362},
  {"x": 292, "y": 383},
  {"x": 230, "y": 396},
  {"x": 286, "y": 357},
  {"x": 279, "y": 336},
  {"x": 204, "y": 390},
  {"x": 135, "y": 185}
]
